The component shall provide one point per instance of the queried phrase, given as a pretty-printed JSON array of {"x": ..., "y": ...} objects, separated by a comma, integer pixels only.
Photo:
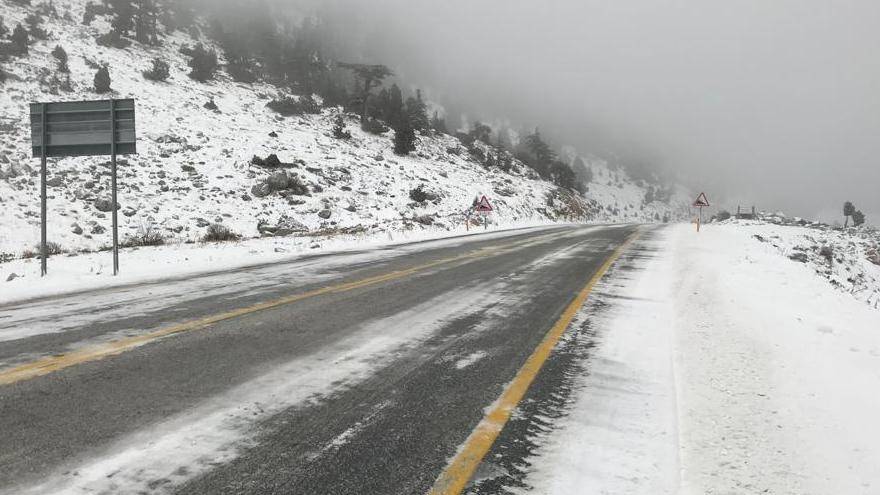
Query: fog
[{"x": 773, "y": 103}]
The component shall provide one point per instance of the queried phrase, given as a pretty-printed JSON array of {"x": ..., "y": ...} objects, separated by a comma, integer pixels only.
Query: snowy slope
[
  {"x": 194, "y": 163},
  {"x": 848, "y": 259},
  {"x": 726, "y": 368}
]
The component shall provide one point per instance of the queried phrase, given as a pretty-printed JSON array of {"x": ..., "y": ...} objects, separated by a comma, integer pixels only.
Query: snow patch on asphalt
[
  {"x": 347, "y": 435},
  {"x": 470, "y": 359}
]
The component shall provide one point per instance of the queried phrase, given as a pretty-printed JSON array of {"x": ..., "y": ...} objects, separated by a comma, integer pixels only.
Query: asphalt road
[{"x": 357, "y": 373}]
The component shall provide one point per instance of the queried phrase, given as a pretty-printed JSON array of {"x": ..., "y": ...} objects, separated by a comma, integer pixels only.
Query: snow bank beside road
[
  {"x": 620, "y": 434},
  {"x": 776, "y": 373}
]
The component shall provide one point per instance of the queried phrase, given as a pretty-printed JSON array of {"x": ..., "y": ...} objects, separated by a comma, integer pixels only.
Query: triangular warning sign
[
  {"x": 701, "y": 200},
  {"x": 483, "y": 205}
]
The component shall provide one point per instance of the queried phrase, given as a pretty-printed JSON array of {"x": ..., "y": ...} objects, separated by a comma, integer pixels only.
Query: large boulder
[
  {"x": 261, "y": 190},
  {"x": 272, "y": 161},
  {"x": 105, "y": 205},
  {"x": 285, "y": 226}
]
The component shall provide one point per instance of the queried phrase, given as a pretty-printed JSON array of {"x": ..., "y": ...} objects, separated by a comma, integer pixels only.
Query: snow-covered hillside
[{"x": 194, "y": 164}]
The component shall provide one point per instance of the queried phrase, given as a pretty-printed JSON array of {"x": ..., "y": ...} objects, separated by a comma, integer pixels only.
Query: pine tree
[
  {"x": 123, "y": 19},
  {"x": 332, "y": 90},
  {"x": 381, "y": 102},
  {"x": 120, "y": 26},
  {"x": 102, "y": 80},
  {"x": 848, "y": 210},
  {"x": 339, "y": 130},
  {"x": 203, "y": 64},
  {"x": 404, "y": 139},
  {"x": 858, "y": 218},
  {"x": 562, "y": 175},
  {"x": 371, "y": 76},
  {"x": 394, "y": 113},
  {"x": 417, "y": 113},
  {"x": 19, "y": 40},
  {"x": 481, "y": 132},
  {"x": 91, "y": 12},
  {"x": 34, "y": 21},
  {"x": 61, "y": 57},
  {"x": 145, "y": 17},
  {"x": 540, "y": 154}
]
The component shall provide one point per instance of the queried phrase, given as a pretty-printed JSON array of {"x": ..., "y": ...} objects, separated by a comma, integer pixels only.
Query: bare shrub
[
  {"x": 52, "y": 249},
  {"x": 159, "y": 72},
  {"x": 295, "y": 106},
  {"x": 374, "y": 126},
  {"x": 217, "y": 232},
  {"x": 147, "y": 235}
]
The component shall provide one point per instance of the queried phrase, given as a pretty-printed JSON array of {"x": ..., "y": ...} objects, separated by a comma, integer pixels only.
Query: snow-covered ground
[
  {"x": 194, "y": 164},
  {"x": 723, "y": 367},
  {"x": 849, "y": 259}
]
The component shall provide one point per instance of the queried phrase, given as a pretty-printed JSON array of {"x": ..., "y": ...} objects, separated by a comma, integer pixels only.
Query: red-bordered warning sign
[
  {"x": 483, "y": 205},
  {"x": 702, "y": 200}
]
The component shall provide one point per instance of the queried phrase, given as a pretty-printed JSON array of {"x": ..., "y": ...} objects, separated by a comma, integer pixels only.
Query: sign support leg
[
  {"x": 43, "y": 248},
  {"x": 115, "y": 219},
  {"x": 113, "y": 187}
]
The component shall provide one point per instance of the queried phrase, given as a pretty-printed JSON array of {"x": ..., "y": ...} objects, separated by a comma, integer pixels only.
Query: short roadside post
[
  {"x": 700, "y": 202},
  {"x": 82, "y": 128}
]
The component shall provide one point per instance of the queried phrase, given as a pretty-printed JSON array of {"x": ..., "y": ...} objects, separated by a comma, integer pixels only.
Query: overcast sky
[{"x": 775, "y": 102}]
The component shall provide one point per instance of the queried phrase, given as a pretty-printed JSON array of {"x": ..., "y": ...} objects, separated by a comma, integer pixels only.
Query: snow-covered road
[{"x": 360, "y": 372}]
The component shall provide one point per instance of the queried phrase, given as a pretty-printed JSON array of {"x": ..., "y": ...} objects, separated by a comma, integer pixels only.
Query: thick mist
[{"x": 775, "y": 104}]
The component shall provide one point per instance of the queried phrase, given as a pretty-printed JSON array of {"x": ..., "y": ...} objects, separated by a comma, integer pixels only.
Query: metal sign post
[
  {"x": 82, "y": 128},
  {"x": 113, "y": 201},
  {"x": 43, "y": 141},
  {"x": 700, "y": 202}
]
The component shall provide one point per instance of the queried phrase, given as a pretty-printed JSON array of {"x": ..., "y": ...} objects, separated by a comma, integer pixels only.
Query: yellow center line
[
  {"x": 454, "y": 479},
  {"x": 51, "y": 364}
]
